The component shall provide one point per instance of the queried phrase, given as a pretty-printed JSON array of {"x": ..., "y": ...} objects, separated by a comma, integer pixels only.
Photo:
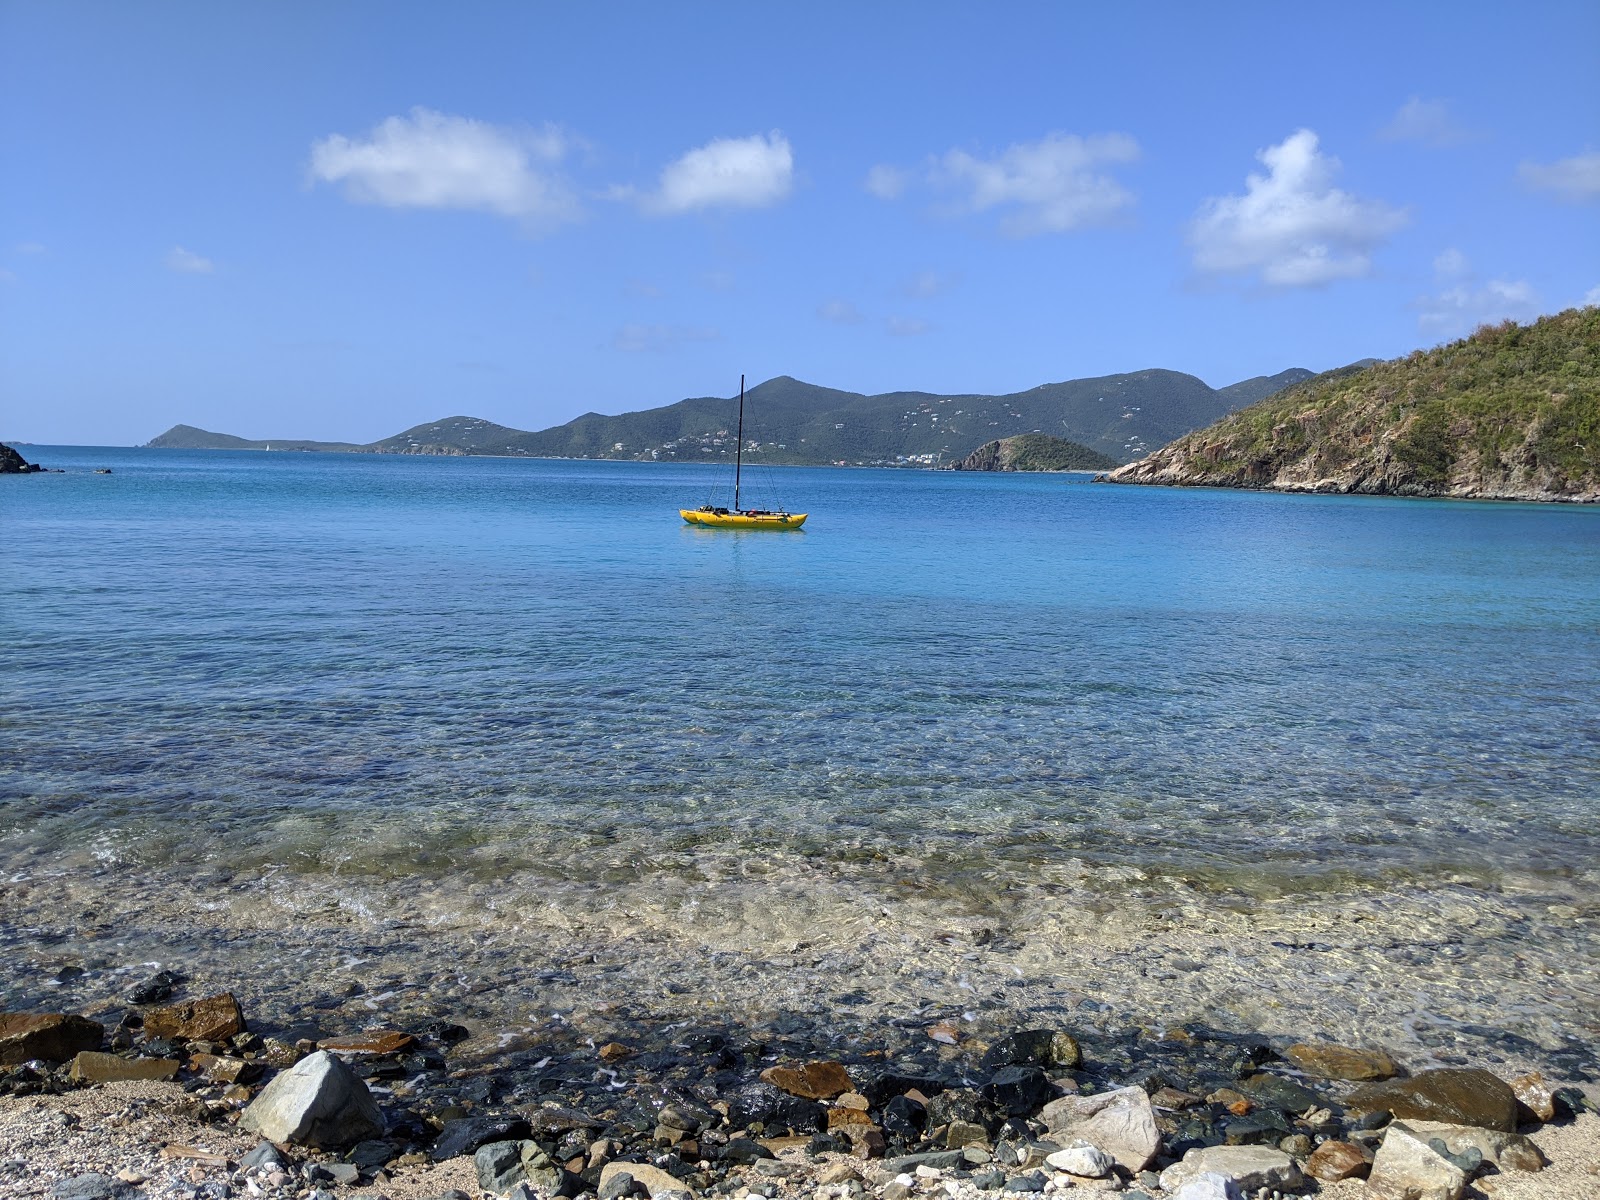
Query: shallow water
[{"x": 498, "y": 698}]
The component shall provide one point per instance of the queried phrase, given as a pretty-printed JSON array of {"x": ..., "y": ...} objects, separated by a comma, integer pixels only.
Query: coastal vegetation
[{"x": 1511, "y": 412}]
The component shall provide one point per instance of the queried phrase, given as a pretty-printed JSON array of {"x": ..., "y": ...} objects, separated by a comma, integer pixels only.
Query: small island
[{"x": 1034, "y": 452}]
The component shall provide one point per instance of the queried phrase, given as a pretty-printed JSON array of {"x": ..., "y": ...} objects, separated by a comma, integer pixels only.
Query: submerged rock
[
  {"x": 317, "y": 1102},
  {"x": 1332, "y": 1061},
  {"x": 213, "y": 1019},
  {"x": 813, "y": 1081}
]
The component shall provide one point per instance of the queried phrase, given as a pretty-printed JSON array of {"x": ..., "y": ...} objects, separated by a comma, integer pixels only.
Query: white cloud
[
  {"x": 886, "y": 182},
  {"x": 187, "y": 262},
  {"x": 432, "y": 160},
  {"x": 29, "y": 248},
  {"x": 1291, "y": 227},
  {"x": 1592, "y": 296},
  {"x": 1054, "y": 185},
  {"x": 924, "y": 285},
  {"x": 840, "y": 312},
  {"x": 1425, "y": 121},
  {"x": 751, "y": 172},
  {"x": 1464, "y": 303},
  {"x": 1576, "y": 178},
  {"x": 1450, "y": 263},
  {"x": 908, "y": 327},
  {"x": 647, "y": 339}
]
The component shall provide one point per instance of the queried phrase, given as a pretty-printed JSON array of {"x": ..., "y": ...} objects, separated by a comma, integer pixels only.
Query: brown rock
[
  {"x": 224, "y": 1069},
  {"x": 945, "y": 1032},
  {"x": 1332, "y": 1061},
  {"x": 1536, "y": 1099},
  {"x": 867, "y": 1141},
  {"x": 1172, "y": 1098},
  {"x": 814, "y": 1081},
  {"x": 90, "y": 1066},
  {"x": 1333, "y": 1161},
  {"x": 653, "y": 1179},
  {"x": 843, "y": 1118},
  {"x": 613, "y": 1052},
  {"x": 370, "y": 1041},
  {"x": 54, "y": 1037},
  {"x": 1458, "y": 1095},
  {"x": 214, "y": 1019}
]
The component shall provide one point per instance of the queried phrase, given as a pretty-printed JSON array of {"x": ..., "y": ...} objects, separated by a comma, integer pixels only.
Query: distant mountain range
[
  {"x": 1510, "y": 413},
  {"x": 787, "y": 421}
]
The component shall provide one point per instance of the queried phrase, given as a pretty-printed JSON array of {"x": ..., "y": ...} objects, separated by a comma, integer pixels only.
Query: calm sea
[{"x": 348, "y": 665}]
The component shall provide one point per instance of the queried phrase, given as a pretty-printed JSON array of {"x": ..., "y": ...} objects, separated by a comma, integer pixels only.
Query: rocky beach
[{"x": 1282, "y": 1047}]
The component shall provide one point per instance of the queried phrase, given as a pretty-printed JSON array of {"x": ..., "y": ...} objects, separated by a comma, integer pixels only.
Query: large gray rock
[
  {"x": 317, "y": 1102},
  {"x": 1507, "y": 1151},
  {"x": 1248, "y": 1168},
  {"x": 653, "y": 1179},
  {"x": 1407, "y": 1168},
  {"x": 1120, "y": 1122}
]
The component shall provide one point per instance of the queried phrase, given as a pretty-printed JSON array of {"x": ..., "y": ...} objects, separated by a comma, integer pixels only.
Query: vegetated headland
[
  {"x": 1509, "y": 413},
  {"x": 800, "y": 424}
]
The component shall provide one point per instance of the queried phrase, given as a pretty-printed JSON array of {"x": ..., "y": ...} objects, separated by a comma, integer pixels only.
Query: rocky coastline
[{"x": 168, "y": 1094}]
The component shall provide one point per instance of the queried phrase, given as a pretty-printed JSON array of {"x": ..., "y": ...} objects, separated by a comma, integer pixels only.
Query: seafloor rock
[
  {"x": 814, "y": 1081},
  {"x": 91, "y": 1066},
  {"x": 1407, "y": 1168},
  {"x": 1458, "y": 1095},
  {"x": 317, "y": 1102},
  {"x": 54, "y": 1037},
  {"x": 1120, "y": 1122},
  {"x": 371, "y": 1041},
  {"x": 213, "y": 1019},
  {"x": 1250, "y": 1168},
  {"x": 1033, "y": 1048},
  {"x": 1333, "y": 1061},
  {"x": 466, "y": 1134}
]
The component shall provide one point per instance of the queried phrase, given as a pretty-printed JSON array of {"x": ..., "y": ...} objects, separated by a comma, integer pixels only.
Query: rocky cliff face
[
  {"x": 12, "y": 463},
  {"x": 1511, "y": 413}
]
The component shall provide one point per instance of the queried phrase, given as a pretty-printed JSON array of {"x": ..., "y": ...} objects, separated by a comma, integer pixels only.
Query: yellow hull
[{"x": 712, "y": 519}]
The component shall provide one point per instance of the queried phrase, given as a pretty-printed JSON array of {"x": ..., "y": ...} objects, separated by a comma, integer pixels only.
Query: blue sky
[{"x": 337, "y": 220}]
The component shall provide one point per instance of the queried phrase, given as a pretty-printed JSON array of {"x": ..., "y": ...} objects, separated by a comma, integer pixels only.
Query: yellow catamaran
[{"x": 713, "y": 517}]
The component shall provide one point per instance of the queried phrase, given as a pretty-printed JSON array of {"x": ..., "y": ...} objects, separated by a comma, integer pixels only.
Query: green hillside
[
  {"x": 788, "y": 421},
  {"x": 1512, "y": 412},
  {"x": 187, "y": 437}
]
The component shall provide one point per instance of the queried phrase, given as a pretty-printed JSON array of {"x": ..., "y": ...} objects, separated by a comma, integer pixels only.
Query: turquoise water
[{"x": 346, "y": 665}]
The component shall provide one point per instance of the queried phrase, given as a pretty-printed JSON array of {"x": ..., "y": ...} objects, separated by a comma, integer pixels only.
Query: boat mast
[{"x": 738, "y": 453}]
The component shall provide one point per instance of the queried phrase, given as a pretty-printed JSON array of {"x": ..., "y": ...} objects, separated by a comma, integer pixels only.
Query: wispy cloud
[
  {"x": 752, "y": 172},
  {"x": 1426, "y": 121},
  {"x": 1292, "y": 227},
  {"x": 429, "y": 159},
  {"x": 658, "y": 339},
  {"x": 1576, "y": 179},
  {"x": 29, "y": 248},
  {"x": 1592, "y": 296},
  {"x": 908, "y": 326},
  {"x": 886, "y": 182},
  {"x": 840, "y": 312},
  {"x": 1463, "y": 302},
  {"x": 924, "y": 285},
  {"x": 187, "y": 262},
  {"x": 1055, "y": 185}
]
